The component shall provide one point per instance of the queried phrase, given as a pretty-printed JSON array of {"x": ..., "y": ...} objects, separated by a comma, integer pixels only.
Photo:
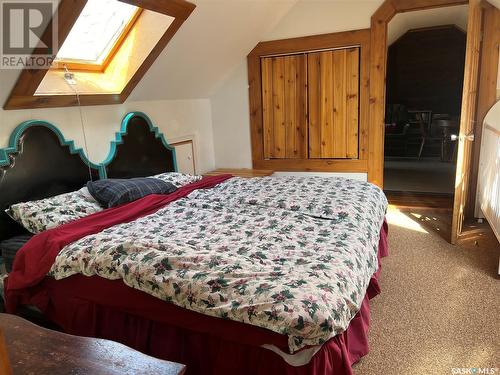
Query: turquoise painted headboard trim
[
  {"x": 21, "y": 128},
  {"x": 101, "y": 167},
  {"x": 123, "y": 131}
]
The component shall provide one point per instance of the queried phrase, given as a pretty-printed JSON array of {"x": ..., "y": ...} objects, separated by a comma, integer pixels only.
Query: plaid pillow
[{"x": 114, "y": 192}]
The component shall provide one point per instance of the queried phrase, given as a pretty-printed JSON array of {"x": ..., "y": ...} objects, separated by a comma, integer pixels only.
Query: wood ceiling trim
[
  {"x": 29, "y": 79},
  {"x": 22, "y": 95},
  {"x": 311, "y": 43},
  {"x": 55, "y": 101},
  {"x": 174, "y": 8}
]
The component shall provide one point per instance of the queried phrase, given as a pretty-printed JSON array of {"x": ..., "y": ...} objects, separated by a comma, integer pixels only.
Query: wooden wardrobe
[{"x": 307, "y": 106}]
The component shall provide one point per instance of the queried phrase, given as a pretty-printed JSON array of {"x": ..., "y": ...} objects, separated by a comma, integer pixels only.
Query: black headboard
[
  {"x": 41, "y": 163},
  {"x": 38, "y": 163},
  {"x": 139, "y": 150}
]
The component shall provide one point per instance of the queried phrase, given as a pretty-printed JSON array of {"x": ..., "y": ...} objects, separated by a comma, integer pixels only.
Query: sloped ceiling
[
  {"x": 219, "y": 34},
  {"x": 402, "y": 22},
  {"x": 208, "y": 47},
  {"x": 8, "y": 78},
  {"x": 495, "y": 3},
  {"x": 313, "y": 17},
  {"x": 214, "y": 41}
]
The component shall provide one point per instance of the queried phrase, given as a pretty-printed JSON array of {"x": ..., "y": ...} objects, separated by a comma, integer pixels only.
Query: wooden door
[
  {"x": 468, "y": 117},
  {"x": 333, "y": 91},
  {"x": 284, "y": 101}
]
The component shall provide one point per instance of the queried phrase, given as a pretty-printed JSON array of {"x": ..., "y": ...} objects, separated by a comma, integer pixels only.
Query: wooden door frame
[
  {"x": 472, "y": 92},
  {"x": 378, "y": 70},
  {"x": 468, "y": 124}
]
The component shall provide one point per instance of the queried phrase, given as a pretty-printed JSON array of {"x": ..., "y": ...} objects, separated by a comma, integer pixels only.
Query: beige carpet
[{"x": 439, "y": 306}]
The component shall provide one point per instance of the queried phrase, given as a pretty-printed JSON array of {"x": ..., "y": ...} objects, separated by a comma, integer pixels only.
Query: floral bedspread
[
  {"x": 290, "y": 254},
  {"x": 38, "y": 216}
]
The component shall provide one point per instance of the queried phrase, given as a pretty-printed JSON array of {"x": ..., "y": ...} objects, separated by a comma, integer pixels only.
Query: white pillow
[{"x": 48, "y": 213}]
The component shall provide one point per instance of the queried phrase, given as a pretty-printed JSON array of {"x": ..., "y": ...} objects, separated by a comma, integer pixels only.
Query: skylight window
[
  {"x": 108, "y": 44},
  {"x": 100, "y": 27}
]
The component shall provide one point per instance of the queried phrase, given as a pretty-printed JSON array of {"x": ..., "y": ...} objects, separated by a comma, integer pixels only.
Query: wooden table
[
  {"x": 35, "y": 350},
  {"x": 242, "y": 172}
]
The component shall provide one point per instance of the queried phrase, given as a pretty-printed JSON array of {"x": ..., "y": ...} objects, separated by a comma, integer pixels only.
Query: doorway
[
  {"x": 425, "y": 74},
  {"x": 471, "y": 87}
]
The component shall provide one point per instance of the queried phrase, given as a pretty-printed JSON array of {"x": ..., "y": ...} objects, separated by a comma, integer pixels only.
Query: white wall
[
  {"x": 488, "y": 187},
  {"x": 230, "y": 102},
  {"x": 175, "y": 118},
  {"x": 230, "y": 111}
]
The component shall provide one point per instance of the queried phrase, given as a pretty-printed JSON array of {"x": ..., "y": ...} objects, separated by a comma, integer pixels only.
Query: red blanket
[{"x": 35, "y": 259}]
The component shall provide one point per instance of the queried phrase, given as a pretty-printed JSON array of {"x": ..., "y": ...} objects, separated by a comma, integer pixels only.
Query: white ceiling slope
[
  {"x": 208, "y": 47},
  {"x": 495, "y": 3},
  {"x": 313, "y": 17},
  {"x": 402, "y": 22}
]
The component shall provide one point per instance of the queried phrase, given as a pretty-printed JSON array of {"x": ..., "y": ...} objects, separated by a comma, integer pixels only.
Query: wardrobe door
[
  {"x": 333, "y": 82},
  {"x": 284, "y": 103}
]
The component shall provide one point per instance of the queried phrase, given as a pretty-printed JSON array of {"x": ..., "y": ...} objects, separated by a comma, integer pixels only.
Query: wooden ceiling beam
[{"x": 174, "y": 8}]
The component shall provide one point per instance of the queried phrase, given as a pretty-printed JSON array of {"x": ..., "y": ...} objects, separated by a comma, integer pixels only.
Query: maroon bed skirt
[{"x": 97, "y": 307}]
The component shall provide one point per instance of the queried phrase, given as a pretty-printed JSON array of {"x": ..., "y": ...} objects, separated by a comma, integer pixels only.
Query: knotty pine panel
[
  {"x": 284, "y": 98},
  {"x": 333, "y": 90}
]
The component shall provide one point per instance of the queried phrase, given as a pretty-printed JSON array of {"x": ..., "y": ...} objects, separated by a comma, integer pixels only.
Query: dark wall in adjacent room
[{"x": 425, "y": 69}]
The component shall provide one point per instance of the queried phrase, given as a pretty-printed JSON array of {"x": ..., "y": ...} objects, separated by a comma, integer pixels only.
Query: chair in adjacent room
[{"x": 430, "y": 133}]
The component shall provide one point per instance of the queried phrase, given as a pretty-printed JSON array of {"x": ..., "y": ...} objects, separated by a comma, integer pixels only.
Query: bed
[{"x": 227, "y": 275}]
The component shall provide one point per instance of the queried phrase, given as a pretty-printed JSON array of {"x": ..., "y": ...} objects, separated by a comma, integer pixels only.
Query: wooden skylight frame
[
  {"x": 23, "y": 94},
  {"x": 75, "y": 65}
]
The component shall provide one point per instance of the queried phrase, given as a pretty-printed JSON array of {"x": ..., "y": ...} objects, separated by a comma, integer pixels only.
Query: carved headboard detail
[
  {"x": 39, "y": 162},
  {"x": 139, "y": 150}
]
